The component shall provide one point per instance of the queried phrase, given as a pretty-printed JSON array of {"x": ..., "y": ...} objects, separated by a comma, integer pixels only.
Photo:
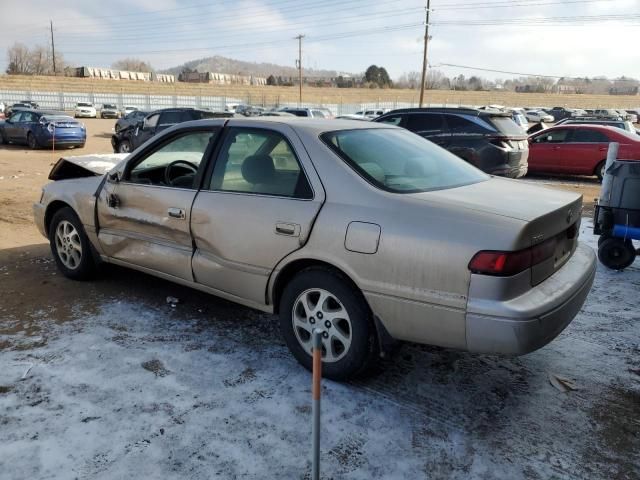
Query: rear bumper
[
  {"x": 530, "y": 321},
  {"x": 510, "y": 164}
]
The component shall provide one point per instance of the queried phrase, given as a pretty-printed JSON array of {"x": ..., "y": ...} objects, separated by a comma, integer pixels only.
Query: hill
[{"x": 220, "y": 64}]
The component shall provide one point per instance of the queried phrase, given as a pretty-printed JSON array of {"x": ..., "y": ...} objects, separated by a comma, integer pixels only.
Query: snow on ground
[{"x": 143, "y": 391}]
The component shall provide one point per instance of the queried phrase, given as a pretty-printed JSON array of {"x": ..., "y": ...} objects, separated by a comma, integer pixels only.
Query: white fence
[{"x": 68, "y": 101}]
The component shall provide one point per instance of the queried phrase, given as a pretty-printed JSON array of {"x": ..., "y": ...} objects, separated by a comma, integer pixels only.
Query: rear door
[
  {"x": 27, "y": 123},
  {"x": 585, "y": 149},
  {"x": 430, "y": 126},
  {"x": 256, "y": 206},
  {"x": 547, "y": 149},
  {"x": 144, "y": 219}
]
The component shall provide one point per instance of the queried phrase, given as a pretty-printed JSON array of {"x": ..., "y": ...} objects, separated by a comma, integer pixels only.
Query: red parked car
[{"x": 579, "y": 149}]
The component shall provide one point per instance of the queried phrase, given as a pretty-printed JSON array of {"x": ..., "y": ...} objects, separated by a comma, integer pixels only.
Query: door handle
[
  {"x": 176, "y": 213},
  {"x": 113, "y": 201},
  {"x": 291, "y": 229},
  {"x": 556, "y": 148}
]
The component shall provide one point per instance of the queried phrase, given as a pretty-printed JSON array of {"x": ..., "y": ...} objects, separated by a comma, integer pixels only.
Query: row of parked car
[{"x": 487, "y": 138}]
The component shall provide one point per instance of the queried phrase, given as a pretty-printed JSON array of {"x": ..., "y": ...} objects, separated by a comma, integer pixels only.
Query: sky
[{"x": 546, "y": 37}]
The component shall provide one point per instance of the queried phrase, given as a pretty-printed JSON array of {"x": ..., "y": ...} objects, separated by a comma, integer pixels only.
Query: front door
[
  {"x": 547, "y": 150},
  {"x": 144, "y": 218},
  {"x": 256, "y": 206}
]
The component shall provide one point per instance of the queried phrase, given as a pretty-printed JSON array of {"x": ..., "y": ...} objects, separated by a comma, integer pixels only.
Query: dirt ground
[{"x": 104, "y": 379}]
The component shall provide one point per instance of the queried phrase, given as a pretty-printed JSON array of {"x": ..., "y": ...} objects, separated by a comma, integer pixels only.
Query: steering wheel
[{"x": 183, "y": 163}]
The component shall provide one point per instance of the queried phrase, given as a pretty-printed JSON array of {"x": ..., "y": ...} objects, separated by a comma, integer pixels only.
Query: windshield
[
  {"x": 109, "y": 106},
  {"x": 84, "y": 104},
  {"x": 400, "y": 161}
]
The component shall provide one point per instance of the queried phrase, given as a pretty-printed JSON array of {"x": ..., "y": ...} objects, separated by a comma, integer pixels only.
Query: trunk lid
[{"x": 549, "y": 215}]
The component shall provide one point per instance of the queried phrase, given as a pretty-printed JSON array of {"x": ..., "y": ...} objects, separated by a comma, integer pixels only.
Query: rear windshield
[
  {"x": 400, "y": 161},
  {"x": 505, "y": 125}
]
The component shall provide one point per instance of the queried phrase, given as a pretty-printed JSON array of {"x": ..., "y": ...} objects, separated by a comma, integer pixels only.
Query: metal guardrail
[{"x": 68, "y": 100}]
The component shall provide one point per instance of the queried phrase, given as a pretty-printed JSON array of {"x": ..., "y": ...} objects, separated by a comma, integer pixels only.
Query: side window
[
  {"x": 261, "y": 162},
  {"x": 425, "y": 122},
  {"x": 318, "y": 114},
  {"x": 460, "y": 125},
  {"x": 29, "y": 117},
  {"x": 554, "y": 136},
  {"x": 392, "y": 119},
  {"x": 589, "y": 136},
  {"x": 174, "y": 164},
  {"x": 17, "y": 117},
  {"x": 169, "y": 118},
  {"x": 152, "y": 121}
]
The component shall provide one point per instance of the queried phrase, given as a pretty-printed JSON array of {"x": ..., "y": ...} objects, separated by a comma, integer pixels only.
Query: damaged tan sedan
[{"x": 366, "y": 232}]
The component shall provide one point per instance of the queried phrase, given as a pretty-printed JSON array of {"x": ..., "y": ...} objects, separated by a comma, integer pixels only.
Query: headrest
[{"x": 258, "y": 169}]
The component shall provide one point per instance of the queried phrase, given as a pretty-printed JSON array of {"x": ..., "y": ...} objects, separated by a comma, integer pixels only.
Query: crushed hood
[{"x": 85, "y": 165}]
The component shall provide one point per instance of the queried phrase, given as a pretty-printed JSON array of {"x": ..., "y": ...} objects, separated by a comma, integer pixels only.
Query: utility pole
[
  {"x": 299, "y": 65},
  {"x": 53, "y": 48},
  {"x": 424, "y": 59}
]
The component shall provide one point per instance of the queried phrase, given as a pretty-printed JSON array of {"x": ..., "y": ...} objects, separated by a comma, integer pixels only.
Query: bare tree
[
  {"x": 18, "y": 57},
  {"x": 132, "y": 65}
]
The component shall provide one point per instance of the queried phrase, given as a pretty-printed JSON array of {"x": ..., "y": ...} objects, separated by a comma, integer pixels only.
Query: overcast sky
[{"x": 340, "y": 35}]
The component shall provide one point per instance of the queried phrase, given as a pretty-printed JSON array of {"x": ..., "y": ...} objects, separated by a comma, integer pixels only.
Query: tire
[
  {"x": 602, "y": 238},
  {"x": 600, "y": 170},
  {"x": 70, "y": 246},
  {"x": 616, "y": 253},
  {"x": 31, "y": 141},
  {"x": 2, "y": 140},
  {"x": 347, "y": 323},
  {"x": 124, "y": 146}
]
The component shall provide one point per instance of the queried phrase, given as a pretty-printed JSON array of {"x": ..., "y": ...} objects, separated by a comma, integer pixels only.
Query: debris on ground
[
  {"x": 173, "y": 301},
  {"x": 562, "y": 384},
  {"x": 156, "y": 367}
]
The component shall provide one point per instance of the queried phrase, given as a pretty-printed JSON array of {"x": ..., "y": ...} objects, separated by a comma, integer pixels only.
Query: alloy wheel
[
  {"x": 319, "y": 309},
  {"x": 68, "y": 245}
]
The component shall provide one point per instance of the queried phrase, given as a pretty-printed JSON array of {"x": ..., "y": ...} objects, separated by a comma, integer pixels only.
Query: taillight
[{"x": 506, "y": 264}]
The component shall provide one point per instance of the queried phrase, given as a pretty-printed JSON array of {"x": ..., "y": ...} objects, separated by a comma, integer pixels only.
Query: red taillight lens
[{"x": 506, "y": 264}]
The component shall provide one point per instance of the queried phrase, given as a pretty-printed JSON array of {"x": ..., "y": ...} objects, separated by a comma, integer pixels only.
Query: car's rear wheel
[
  {"x": 600, "y": 170},
  {"x": 321, "y": 299},
  {"x": 124, "y": 146},
  {"x": 616, "y": 253},
  {"x": 31, "y": 141},
  {"x": 70, "y": 246}
]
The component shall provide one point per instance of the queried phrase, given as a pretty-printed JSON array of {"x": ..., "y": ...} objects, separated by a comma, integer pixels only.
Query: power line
[
  {"x": 335, "y": 36},
  {"x": 507, "y": 72},
  {"x": 227, "y": 33}
]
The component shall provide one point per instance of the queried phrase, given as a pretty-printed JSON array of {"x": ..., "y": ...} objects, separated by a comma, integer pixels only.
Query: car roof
[
  {"x": 452, "y": 110},
  {"x": 314, "y": 126}
]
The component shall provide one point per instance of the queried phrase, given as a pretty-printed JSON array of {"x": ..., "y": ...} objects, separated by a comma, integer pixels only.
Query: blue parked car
[{"x": 37, "y": 128}]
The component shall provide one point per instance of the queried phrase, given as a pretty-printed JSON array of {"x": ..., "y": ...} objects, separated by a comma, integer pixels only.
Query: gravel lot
[{"x": 106, "y": 380}]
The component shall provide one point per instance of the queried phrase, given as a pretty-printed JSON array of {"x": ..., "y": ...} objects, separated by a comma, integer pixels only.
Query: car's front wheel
[
  {"x": 321, "y": 299},
  {"x": 70, "y": 246},
  {"x": 124, "y": 146}
]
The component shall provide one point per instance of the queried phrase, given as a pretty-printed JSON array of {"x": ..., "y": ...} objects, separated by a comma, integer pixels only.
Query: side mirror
[
  {"x": 113, "y": 177},
  {"x": 549, "y": 138}
]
